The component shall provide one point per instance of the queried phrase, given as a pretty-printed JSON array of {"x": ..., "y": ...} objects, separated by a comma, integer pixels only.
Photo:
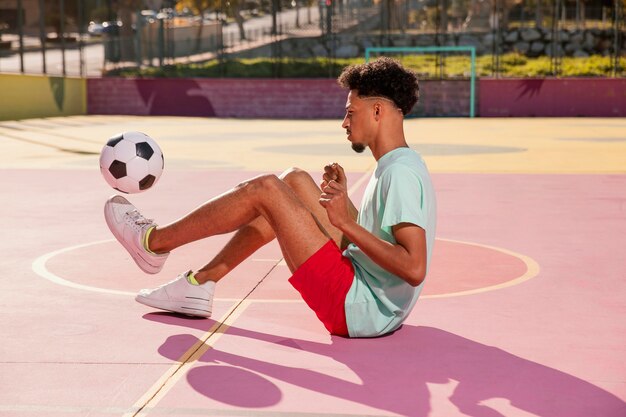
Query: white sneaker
[
  {"x": 129, "y": 227},
  {"x": 180, "y": 296}
]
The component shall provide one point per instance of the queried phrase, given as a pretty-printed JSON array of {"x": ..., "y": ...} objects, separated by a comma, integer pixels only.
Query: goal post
[{"x": 435, "y": 50}]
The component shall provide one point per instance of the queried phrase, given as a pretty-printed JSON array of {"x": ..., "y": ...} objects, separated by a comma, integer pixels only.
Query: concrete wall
[
  {"x": 567, "y": 97},
  {"x": 29, "y": 96},
  {"x": 252, "y": 98}
]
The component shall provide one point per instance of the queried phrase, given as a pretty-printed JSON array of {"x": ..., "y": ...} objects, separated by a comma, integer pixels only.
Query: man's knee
[
  {"x": 262, "y": 184},
  {"x": 294, "y": 176},
  {"x": 269, "y": 192}
]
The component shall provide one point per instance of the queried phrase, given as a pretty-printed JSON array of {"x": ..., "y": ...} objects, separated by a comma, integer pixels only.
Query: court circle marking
[{"x": 39, "y": 267}]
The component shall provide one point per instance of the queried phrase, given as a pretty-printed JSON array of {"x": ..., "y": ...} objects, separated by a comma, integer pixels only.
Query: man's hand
[
  {"x": 333, "y": 172},
  {"x": 334, "y": 199}
]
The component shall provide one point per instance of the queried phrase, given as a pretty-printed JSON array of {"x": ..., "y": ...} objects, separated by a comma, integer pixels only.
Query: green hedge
[{"x": 427, "y": 66}]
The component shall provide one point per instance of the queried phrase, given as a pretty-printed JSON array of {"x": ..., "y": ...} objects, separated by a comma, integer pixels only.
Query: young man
[{"x": 360, "y": 272}]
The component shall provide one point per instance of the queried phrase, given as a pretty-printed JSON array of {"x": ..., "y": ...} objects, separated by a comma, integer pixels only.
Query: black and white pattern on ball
[{"x": 131, "y": 162}]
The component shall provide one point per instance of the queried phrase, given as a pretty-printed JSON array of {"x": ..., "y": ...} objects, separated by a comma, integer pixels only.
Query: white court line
[
  {"x": 39, "y": 264},
  {"x": 39, "y": 267},
  {"x": 532, "y": 270}
]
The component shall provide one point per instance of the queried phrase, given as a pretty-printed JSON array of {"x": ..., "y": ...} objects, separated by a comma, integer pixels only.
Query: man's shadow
[{"x": 394, "y": 371}]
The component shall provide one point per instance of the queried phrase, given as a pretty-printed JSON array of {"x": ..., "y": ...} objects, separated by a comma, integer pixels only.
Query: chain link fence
[{"x": 507, "y": 35}]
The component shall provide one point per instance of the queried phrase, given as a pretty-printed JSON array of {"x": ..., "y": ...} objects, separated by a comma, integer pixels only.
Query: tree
[
  {"x": 126, "y": 10},
  {"x": 198, "y": 7},
  {"x": 234, "y": 8}
]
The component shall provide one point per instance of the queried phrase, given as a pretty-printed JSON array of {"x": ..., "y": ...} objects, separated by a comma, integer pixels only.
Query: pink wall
[
  {"x": 227, "y": 97},
  {"x": 568, "y": 97},
  {"x": 323, "y": 98},
  {"x": 252, "y": 98}
]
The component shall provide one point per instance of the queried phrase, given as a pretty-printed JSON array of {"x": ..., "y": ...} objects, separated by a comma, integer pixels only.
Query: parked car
[
  {"x": 111, "y": 28},
  {"x": 94, "y": 28}
]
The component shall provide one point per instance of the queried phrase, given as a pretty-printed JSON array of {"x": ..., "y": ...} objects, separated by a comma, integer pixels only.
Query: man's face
[{"x": 358, "y": 121}]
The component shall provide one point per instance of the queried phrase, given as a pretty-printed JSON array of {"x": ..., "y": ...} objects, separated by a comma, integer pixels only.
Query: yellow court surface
[{"x": 448, "y": 145}]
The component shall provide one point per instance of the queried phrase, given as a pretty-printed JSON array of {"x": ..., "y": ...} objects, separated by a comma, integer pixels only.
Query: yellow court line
[
  {"x": 167, "y": 381},
  {"x": 51, "y": 145},
  {"x": 162, "y": 386}
]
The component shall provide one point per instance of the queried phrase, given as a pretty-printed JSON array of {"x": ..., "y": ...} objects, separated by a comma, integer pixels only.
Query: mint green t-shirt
[{"x": 399, "y": 191}]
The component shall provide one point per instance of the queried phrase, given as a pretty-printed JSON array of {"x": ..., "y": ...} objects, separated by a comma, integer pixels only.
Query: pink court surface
[{"x": 523, "y": 313}]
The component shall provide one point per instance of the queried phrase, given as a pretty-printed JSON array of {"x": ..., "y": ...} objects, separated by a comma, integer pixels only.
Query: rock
[
  {"x": 286, "y": 48},
  {"x": 403, "y": 41},
  {"x": 563, "y": 36},
  {"x": 590, "y": 42},
  {"x": 579, "y": 53},
  {"x": 537, "y": 47},
  {"x": 488, "y": 39},
  {"x": 529, "y": 35},
  {"x": 319, "y": 50},
  {"x": 347, "y": 51},
  {"x": 512, "y": 37},
  {"x": 522, "y": 47},
  {"x": 572, "y": 46},
  {"x": 468, "y": 40},
  {"x": 577, "y": 37},
  {"x": 604, "y": 45},
  {"x": 425, "y": 40},
  {"x": 554, "y": 51}
]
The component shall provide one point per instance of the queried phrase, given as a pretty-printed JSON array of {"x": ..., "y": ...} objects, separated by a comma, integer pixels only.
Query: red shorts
[{"x": 323, "y": 280}]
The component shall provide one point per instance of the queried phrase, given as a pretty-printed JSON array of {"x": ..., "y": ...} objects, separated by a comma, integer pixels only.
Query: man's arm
[{"x": 406, "y": 258}]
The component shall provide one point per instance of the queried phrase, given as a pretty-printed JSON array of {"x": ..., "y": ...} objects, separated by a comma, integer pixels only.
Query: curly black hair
[{"x": 384, "y": 77}]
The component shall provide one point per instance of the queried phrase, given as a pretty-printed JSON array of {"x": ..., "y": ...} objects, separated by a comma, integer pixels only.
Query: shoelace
[{"x": 137, "y": 219}]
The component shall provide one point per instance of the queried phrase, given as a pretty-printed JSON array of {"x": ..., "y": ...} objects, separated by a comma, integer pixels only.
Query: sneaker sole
[
  {"x": 141, "y": 263},
  {"x": 189, "y": 309}
]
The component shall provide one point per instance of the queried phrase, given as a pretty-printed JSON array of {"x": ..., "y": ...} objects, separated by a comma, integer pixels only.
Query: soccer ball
[{"x": 131, "y": 162}]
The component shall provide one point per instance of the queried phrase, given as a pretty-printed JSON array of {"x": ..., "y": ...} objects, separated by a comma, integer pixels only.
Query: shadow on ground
[{"x": 394, "y": 371}]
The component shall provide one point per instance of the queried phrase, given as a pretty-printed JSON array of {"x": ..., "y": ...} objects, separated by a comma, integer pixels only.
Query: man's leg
[
  {"x": 293, "y": 223},
  {"x": 259, "y": 209},
  {"x": 257, "y": 233}
]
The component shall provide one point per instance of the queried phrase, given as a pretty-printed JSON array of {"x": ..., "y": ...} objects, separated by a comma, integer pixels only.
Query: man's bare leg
[
  {"x": 253, "y": 236},
  {"x": 294, "y": 225}
]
